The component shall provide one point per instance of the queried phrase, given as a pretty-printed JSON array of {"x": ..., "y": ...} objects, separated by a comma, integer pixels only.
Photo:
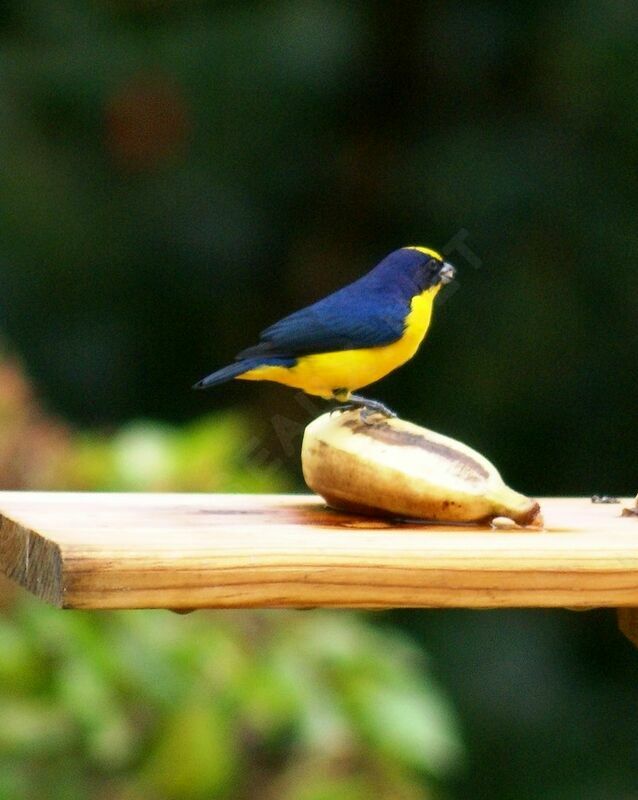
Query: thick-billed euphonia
[{"x": 352, "y": 337}]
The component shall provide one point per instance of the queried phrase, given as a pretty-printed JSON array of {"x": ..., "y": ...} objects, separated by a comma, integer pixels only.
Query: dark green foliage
[
  {"x": 176, "y": 176},
  {"x": 152, "y": 705}
]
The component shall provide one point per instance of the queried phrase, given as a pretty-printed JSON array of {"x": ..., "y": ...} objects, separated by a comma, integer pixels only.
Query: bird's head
[
  {"x": 412, "y": 270},
  {"x": 431, "y": 270}
]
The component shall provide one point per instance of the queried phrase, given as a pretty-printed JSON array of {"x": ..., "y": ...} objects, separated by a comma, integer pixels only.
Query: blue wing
[{"x": 352, "y": 318}]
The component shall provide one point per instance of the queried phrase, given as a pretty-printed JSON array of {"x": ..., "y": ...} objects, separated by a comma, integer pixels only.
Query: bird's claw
[
  {"x": 368, "y": 409},
  {"x": 367, "y": 413}
]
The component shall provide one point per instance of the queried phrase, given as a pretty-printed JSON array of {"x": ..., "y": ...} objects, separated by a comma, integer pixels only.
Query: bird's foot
[{"x": 368, "y": 408}]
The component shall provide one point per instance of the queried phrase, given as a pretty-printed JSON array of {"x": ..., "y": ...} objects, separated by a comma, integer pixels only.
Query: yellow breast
[{"x": 348, "y": 370}]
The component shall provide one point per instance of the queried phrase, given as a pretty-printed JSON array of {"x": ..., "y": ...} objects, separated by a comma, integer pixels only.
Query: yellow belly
[{"x": 321, "y": 373}]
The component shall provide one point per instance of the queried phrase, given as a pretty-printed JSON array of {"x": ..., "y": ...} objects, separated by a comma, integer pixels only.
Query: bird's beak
[{"x": 447, "y": 273}]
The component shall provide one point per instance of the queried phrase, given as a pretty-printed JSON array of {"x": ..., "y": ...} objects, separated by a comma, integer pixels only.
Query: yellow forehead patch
[{"x": 426, "y": 250}]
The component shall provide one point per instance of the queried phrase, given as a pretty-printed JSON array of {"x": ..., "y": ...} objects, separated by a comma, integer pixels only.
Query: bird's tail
[
  {"x": 238, "y": 368},
  {"x": 224, "y": 374}
]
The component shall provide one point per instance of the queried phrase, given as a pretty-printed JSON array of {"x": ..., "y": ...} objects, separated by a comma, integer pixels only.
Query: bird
[{"x": 350, "y": 338}]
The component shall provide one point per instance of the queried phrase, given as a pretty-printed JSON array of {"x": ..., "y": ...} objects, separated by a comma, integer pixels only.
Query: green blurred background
[{"x": 176, "y": 175}]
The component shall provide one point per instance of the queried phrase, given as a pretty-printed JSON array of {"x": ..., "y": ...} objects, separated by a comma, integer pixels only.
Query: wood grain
[{"x": 239, "y": 551}]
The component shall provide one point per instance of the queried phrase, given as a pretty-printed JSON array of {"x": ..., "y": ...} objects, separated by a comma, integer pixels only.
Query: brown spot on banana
[{"x": 402, "y": 438}]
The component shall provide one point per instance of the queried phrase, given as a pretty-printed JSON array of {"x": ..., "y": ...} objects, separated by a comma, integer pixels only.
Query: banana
[{"x": 393, "y": 467}]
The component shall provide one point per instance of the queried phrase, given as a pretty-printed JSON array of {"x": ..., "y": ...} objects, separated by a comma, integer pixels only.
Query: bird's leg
[
  {"x": 341, "y": 396},
  {"x": 368, "y": 407}
]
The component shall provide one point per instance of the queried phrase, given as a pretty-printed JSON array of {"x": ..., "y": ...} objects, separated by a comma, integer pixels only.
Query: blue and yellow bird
[{"x": 351, "y": 338}]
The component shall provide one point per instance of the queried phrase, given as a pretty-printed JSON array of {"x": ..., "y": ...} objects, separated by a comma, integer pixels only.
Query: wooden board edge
[{"x": 31, "y": 561}]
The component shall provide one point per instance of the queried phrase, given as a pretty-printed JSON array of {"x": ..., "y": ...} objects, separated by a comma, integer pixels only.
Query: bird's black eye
[{"x": 434, "y": 265}]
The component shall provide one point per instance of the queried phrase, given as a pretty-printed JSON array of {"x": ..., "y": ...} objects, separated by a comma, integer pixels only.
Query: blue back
[{"x": 367, "y": 313}]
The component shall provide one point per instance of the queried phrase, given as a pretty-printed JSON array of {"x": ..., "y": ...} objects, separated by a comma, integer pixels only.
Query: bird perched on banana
[{"x": 351, "y": 338}]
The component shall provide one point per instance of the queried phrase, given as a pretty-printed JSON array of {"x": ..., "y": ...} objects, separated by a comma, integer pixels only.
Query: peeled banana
[{"x": 391, "y": 467}]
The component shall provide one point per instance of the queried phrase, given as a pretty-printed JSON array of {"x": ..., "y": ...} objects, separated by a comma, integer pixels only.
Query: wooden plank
[{"x": 237, "y": 551}]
